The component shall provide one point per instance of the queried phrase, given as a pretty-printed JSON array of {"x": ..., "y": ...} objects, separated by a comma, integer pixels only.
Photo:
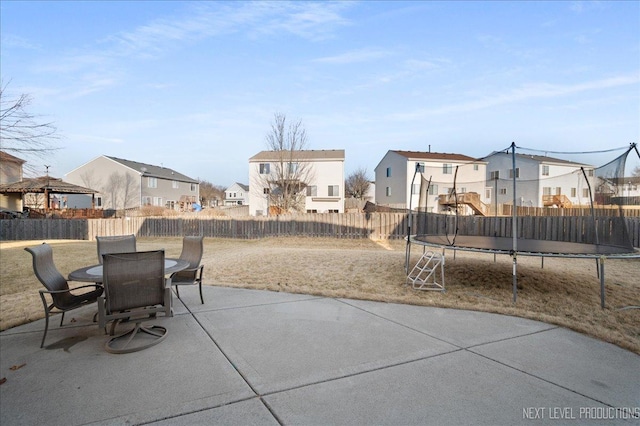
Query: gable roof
[
  {"x": 42, "y": 183},
  {"x": 153, "y": 171},
  {"x": 435, "y": 156},
  {"x": 8, "y": 157},
  {"x": 305, "y": 155}
]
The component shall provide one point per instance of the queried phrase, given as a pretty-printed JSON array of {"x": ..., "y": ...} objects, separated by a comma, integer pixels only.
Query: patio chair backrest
[
  {"x": 134, "y": 280},
  {"x": 48, "y": 274},
  {"x": 115, "y": 244},
  {"x": 192, "y": 249}
]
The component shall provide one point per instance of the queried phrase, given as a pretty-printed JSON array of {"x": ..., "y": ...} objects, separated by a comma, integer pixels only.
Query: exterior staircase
[{"x": 471, "y": 199}]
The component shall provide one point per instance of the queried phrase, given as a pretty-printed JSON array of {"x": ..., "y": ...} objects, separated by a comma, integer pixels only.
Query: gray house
[{"x": 125, "y": 184}]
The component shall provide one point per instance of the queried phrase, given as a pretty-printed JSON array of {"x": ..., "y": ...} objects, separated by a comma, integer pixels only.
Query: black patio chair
[
  {"x": 57, "y": 287},
  {"x": 192, "y": 249}
]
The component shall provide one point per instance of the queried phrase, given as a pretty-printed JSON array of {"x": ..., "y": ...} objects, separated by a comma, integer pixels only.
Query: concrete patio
[{"x": 249, "y": 357}]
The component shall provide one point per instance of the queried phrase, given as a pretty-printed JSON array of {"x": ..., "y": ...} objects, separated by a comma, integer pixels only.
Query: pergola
[{"x": 46, "y": 185}]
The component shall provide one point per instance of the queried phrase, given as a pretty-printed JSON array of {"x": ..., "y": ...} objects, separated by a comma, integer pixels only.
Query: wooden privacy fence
[{"x": 349, "y": 225}]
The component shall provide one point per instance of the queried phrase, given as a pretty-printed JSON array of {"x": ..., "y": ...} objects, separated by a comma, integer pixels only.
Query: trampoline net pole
[{"x": 514, "y": 225}]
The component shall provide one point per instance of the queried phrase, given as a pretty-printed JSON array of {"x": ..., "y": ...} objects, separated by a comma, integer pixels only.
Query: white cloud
[
  {"x": 97, "y": 140},
  {"x": 526, "y": 92},
  {"x": 14, "y": 41},
  {"x": 354, "y": 56}
]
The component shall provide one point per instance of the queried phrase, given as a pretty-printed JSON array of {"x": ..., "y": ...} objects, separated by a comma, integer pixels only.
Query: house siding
[
  {"x": 96, "y": 175},
  {"x": 403, "y": 167},
  {"x": 326, "y": 168}
]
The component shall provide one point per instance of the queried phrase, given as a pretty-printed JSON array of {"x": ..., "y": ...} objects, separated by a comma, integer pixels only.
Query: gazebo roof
[{"x": 44, "y": 184}]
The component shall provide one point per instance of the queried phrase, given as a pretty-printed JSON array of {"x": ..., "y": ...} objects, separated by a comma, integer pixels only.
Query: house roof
[
  {"x": 153, "y": 171},
  {"x": 435, "y": 156},
  {"x": 304, "y": 155},
  {"x": 42, "y": 183},
  {"x": 8, "y": 157}
]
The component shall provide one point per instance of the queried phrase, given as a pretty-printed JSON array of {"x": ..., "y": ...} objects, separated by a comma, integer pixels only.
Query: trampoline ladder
[{"x": 427, "y": 272}]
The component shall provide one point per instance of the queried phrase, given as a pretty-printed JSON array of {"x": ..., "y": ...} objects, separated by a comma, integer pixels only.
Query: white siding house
[
  {"x": 395, "y": 173},
  {"x": 236, "y": 195},
  {"x": 324, "y": 190},
  {"x": 541, "y": 181}
]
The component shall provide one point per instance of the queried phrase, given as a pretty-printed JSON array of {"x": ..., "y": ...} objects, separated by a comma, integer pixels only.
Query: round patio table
[{"x": 93, "y": 273}]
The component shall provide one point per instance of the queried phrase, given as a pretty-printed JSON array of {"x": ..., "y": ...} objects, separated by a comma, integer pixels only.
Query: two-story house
[
  {"x": 317, "y": 176},
  {"x": 236, "y": 195},
  {"x": 541, "y": 181},
  {"x": 398, "y": 184},
  {"x": 124, "y": 184}
]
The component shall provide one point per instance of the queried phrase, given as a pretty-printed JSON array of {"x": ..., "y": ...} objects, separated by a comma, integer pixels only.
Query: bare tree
[
  {"x": 20, "y": 131},
  {"x": 210, "y": 192},
  {"x": 285, "y": 183},
  {"x": 636, "y": 171},
  {"x": 121, "y": 191},
  {"x": 357, "y": 184},
  {"x": 112, "y": 189},
  {"x": 88, "y": 179},
  {"x": 129, "y": 192}
]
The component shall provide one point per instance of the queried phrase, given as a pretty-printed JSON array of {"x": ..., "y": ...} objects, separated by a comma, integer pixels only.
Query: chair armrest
[
  {"x": 167, "y": 282},
  {"x": 94, "y": 286}
]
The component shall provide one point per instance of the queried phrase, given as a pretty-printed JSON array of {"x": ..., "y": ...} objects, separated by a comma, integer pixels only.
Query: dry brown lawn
[{"x": 565, "y": 292}]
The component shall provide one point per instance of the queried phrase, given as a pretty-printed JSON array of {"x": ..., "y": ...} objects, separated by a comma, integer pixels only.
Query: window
[
  {"x": 146, "y": 201},
  {"x": 333, "y": 191},
  {"x": 590, "y": 172},
  {"x": 259, "y": 212},
  {"x": 585, "y": 192},
  {"x": 495, "y": 175},
  {"x": 462, "y": 190},
  {"x": 574, "y": 191},
  {"x": 312, "y": 191},
  {"x": 193, "y": 187},
  {"x": 312, "y": 210},
  {"x": 545, "y": 170},
  {"x": 433, "y": 189},
  {"x": 487, "y": 193},
  {"x": 265, "y": 168},
  {"x": 415, "y": 189},
  {"x": 293, "y": 168},
  {"x": 388, "y": 171},
  {"x": 420, "y": 167},
  {"x": 98, "y": 201},
  {"x": 266, "y": 191},
  {"x": 175, "y": 184},
  {"x": 447, "y": 169},
  {"x": 476, "y": 167},
  {"x": 152, "y": 182},
  {"x": 503, "y": 191},
  {"x": 517, "y": 173},
  {"x": 157, "y": 201},
  {"x": 388, "y": 191},
  {"x": 333, "y": 211},
  {"x": 546, "y": 190}
]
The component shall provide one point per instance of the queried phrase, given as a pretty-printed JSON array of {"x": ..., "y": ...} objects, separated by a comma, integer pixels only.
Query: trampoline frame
[{"x": 631, "y": 252}]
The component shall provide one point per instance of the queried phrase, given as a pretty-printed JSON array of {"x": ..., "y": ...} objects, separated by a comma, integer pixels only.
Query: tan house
[
  {"x": 10, "y": 172},
  {"x": 126, "y": 184}
]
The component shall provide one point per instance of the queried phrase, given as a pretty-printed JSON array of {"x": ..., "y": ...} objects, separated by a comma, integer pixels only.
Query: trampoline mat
[{"x": 503, "y": 244}]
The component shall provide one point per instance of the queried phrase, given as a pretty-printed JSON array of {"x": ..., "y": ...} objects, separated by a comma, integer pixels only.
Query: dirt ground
[{"x": 560, "y": 291}]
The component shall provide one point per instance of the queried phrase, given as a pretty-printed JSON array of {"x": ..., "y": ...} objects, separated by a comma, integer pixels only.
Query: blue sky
[{"x": 194, "y": 85}]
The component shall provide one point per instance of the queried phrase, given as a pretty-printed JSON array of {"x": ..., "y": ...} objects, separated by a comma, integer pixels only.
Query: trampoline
[{"x": 598, "y": 237}]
